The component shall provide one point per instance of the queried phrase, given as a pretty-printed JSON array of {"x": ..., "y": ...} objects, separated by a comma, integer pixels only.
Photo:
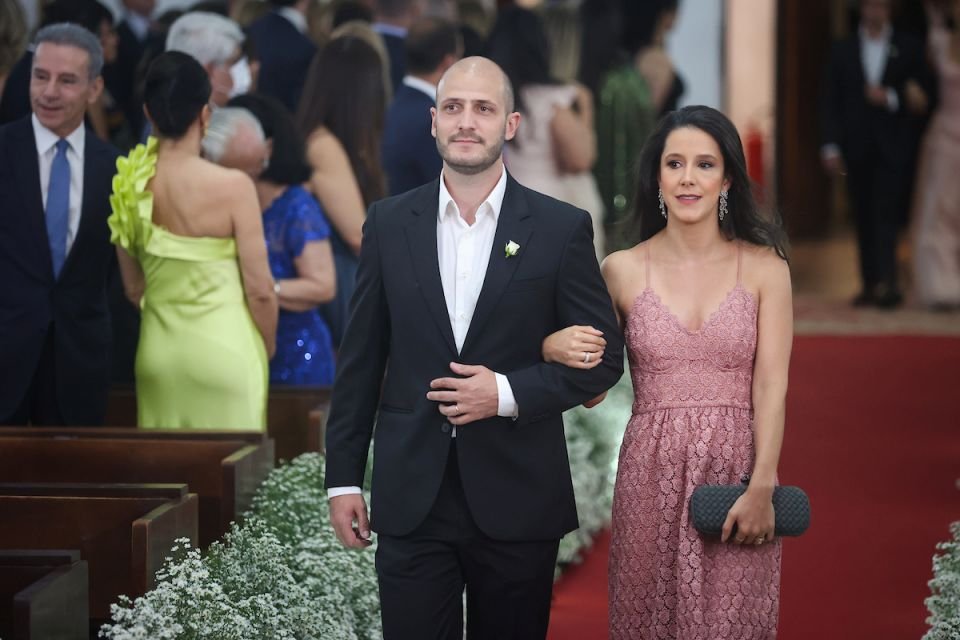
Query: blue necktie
[{"x": 58, "y": 206}]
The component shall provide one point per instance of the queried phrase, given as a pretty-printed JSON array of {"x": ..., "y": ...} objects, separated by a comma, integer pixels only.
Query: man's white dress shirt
[
  {"x": 464, "y": 252},
  {"x": 874, "y": 53},
  {"x": 422, "y": 86},
  {"x": 46, "y": 150}
]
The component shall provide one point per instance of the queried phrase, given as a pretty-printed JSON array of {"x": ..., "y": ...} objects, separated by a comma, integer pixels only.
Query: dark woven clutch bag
[{"x": 710, "y": 503}]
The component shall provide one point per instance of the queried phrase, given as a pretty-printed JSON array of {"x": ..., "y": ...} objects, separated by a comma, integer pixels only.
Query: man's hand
[
  {"x": 344, "y": 512},
  {"x": 469, "y": 398},
  {"x": 876, "y": 95}
]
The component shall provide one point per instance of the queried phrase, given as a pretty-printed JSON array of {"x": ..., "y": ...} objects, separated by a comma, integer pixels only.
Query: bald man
[{"x": 460, "y": 280}]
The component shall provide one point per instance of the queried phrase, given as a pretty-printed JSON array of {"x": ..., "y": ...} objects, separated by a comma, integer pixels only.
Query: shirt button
[{"x": 445, "y": 427}]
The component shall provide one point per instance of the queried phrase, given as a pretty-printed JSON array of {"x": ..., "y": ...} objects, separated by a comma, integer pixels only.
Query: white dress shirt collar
[
  {"x": 421, "y": 85},
  {"x": 46, "y": 139},
  {"x": 295, "y": 17},
  {"x": 492, "y": 203},
  {"x": 139, "y": 24},
  {"x": 389, "y": 29}
]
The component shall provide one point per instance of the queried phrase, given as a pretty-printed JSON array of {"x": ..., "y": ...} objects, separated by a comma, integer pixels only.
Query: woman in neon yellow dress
[{"x": 190, "y": 246}]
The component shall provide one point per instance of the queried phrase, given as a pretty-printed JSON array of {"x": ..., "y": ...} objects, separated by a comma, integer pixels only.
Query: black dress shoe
[
  {"x": 864, "y": 299},
  {"x": 888, "y": 297}
]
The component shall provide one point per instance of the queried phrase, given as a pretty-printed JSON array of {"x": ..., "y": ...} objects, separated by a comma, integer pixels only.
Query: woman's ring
[{"x": 759, "y": 540}]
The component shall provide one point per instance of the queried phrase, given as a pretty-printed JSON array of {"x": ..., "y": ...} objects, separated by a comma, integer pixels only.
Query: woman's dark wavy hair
[
  {"x": 518, "y": 43},
  {"x": 288, "y": 160},
  {"x": 344, "y": 92},
  {"x": 175, "y": 91},
  {"x": 743, "y": 219}
]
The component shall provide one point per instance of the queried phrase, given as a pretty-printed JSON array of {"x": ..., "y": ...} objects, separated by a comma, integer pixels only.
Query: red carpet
[{"x": 873, "y": 436}]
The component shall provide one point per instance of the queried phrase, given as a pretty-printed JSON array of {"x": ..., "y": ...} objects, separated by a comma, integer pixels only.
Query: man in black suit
[
  {"x": 392, "y": 19},
  {"x": 285, "y": 50},
  {"x": 872, "y": 99},
  {"x": 459, "y": 282},
  {"x": 409, "y": 152},
  {"x": 55, "y": 250}
]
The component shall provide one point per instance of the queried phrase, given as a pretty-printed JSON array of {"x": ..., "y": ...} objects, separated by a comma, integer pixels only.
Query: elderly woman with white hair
[
  {"x": 216, "y": 43},
  {"x": 257, "y": 135}
]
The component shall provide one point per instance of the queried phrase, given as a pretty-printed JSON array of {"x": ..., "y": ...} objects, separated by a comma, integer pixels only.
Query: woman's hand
[
  {"x": 577, "y": 347},
  {"x": 753, "y": 515}
]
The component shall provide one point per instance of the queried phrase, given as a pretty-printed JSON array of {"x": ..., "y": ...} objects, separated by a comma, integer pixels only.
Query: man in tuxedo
[
  {"x": 285, "y": 50},
  {"x": 871, "y": 104},
  {"x": 55, "y": 250},
  {"x": 459, "y": 282},
  {"x": 409, "y": 152}
]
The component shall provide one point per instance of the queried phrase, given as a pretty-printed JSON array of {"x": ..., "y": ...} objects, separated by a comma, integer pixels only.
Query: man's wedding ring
[
  {"x": 456, "y": 409},
  {"x": 586, "y": 357}
]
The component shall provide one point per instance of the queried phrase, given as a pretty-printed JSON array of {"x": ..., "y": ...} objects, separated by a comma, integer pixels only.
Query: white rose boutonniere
[{"x": 511, "y": 249}]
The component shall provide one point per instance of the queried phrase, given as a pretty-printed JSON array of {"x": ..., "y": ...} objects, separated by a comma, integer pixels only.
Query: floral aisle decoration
[
  {"x": 593, "y": 444},
  {"x": 282, "y": 575},
  {"x": 944, "y": 601}
]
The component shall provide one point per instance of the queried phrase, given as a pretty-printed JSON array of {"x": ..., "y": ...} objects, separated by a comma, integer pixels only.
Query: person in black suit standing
[
  {"x": 409, "y": 152},
  {"x": 55, "y": 250},
  {"x": 459, "y": 282},
  {"x": 285, "y": 50},
  {"x": 392, "y": 19},
  {"x": 874, "y": 94}
]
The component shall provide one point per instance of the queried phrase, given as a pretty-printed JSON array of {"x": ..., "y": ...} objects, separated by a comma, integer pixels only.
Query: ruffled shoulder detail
[{"x": 131, "y": 203}]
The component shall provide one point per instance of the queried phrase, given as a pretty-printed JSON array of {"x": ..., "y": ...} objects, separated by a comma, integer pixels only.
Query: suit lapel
[
  {"x": 514, "y": 225},
  {"x": 28, "y": 177},
  {"x": 422, "y": 238}
]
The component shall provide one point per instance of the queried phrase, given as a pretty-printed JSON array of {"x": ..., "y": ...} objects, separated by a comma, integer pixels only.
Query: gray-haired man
[
  {"x": 215, "y": 42},
  {"x": 235, "y": 139},
  {"x": 55, "y": 250}
]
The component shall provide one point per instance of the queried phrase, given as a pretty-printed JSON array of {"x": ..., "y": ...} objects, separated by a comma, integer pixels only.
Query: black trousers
[
  {"x": 39, "y": 406},
  {"x": 422, "y": 577},
  {"x": 877, "y": 191}
]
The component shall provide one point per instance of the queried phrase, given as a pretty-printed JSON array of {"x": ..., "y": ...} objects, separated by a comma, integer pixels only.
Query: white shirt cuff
[
  {"x": 893, "y": 100},
  {"x": 506, "y": 403},
  {"x": 334, "y": 492}
]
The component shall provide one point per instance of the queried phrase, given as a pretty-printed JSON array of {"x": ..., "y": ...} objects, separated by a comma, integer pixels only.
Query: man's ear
[
  {"x": 96, "y": 90},
  {"x": 433, "y": 121},
  {"x": 513, "y": 123}
]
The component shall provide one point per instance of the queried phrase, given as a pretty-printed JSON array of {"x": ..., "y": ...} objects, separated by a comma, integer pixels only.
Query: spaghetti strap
[{"x": 739, "y": 260}]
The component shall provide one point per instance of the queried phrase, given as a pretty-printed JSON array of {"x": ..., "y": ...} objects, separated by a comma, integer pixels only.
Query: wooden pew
[
  {"x": 43, "y": 595},
  {"x": 123, "y": 532},
  {"x": 296, "y": 416},
  {"x": 223, "y": 471}
]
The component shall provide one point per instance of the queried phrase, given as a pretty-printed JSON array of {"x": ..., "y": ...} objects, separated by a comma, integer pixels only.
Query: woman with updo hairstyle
[
  {"x": 705, "y": 305},
  {"x": 190, "y": 245}
]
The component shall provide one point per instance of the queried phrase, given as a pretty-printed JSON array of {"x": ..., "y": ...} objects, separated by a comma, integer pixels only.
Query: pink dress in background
[
  {"x": 691, "y": 425},
  {"x": 936, "y": 207}
]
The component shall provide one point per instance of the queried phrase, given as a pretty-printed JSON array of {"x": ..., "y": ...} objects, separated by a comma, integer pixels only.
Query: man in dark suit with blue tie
[
  {"x": 409, "y": 151},
  {"x": 55, "y": 250},
  {"x": 285, "y": 50}
]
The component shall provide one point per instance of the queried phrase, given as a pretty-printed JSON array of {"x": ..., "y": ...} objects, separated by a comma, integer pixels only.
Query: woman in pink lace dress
[{"x": 705, "y": 305}]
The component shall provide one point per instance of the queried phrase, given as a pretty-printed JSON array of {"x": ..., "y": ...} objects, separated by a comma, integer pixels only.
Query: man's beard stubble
[{"x": 477, "y": 166}]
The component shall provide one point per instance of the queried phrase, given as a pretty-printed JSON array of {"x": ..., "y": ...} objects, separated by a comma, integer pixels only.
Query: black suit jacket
[
  {"x": 397, "y": 52},
  {"x": 31, "y": 301},
  {"x": 285, "y": 56},
  {"x": 409, "y": 150},
  {"x": 515, "y": 473},
  {"x": 859, "y": 128}
]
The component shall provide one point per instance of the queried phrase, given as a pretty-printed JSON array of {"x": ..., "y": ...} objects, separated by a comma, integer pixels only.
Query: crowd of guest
[{"x": 326, "y": 107}]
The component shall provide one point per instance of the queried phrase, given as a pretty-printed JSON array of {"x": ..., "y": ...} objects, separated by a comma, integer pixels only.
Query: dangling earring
[
  {"x": 723, "y": 204},
  {"x": 663, "y": 209}
]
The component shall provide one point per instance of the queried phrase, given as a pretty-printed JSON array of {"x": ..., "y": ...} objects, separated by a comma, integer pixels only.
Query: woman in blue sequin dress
[{"x": 298, "y": 246}]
